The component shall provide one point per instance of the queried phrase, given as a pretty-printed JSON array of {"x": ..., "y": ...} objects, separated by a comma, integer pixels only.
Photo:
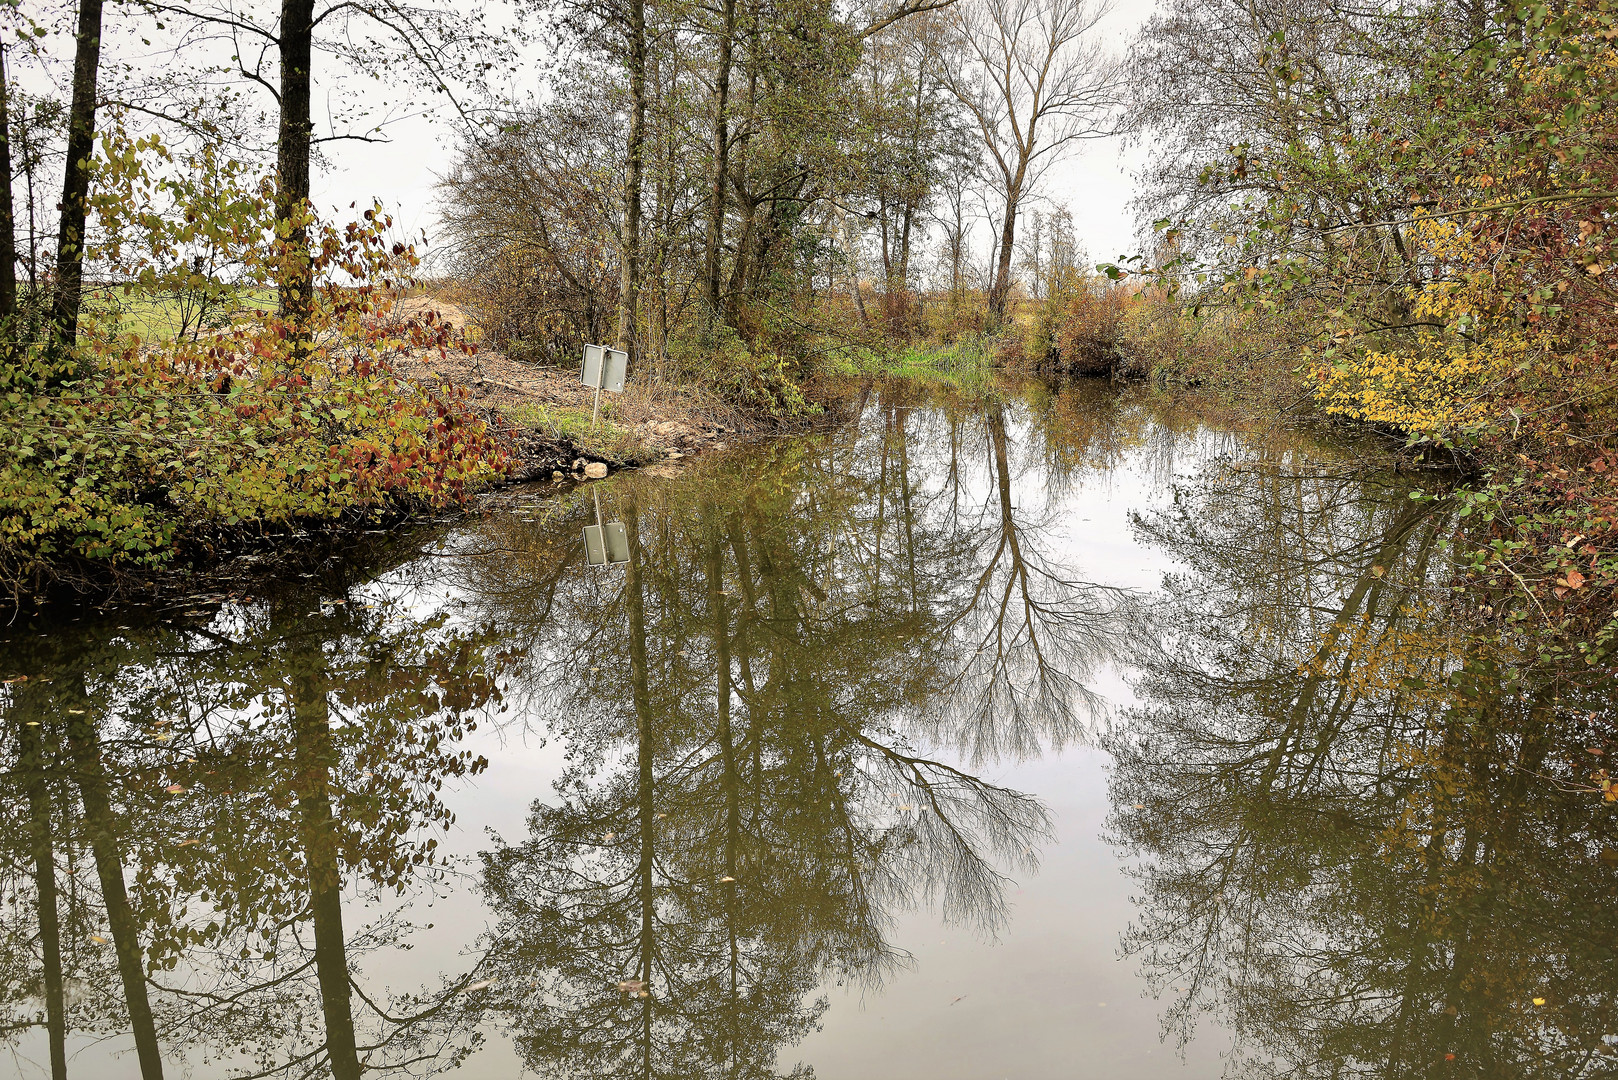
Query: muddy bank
[{"x": 547, "y": 411}]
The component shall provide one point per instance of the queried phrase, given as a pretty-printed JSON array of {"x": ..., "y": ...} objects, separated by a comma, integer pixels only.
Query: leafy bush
[
  {"x": 156, "y": 448},
  {"x": 954, "y": 315},
  {"x": 1090, "y": 337},
  {"x": 713, "y": 355}
]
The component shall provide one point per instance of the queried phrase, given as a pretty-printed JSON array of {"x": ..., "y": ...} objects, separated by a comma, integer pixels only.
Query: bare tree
[{"x": 1034, "y": 80}]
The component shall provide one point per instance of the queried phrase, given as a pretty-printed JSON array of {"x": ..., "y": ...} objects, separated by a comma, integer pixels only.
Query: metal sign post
[{"x": 604, "y": 368}]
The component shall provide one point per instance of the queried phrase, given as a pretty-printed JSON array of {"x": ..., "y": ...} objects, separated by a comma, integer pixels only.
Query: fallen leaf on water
[
  {"x": 607, "y": 838},
  {"x": 188, "y": 843},
  {"x": 174, "y": 789},
  {"x": 632, "y": 986},
  {"x": 1539, "y": 1001},
  {"x": 477, "y": 986},
  {"x": 958, "y": 999},
  {"x": 726, "y": 878},
  {"x": 98, "y": 939}
]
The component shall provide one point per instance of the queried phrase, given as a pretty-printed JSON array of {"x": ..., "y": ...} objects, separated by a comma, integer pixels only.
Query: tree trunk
[
  {"x": 101, "y": 824},
  {"x": 292, "y": 149},
  {"x": 315, "y": 755},
  {"x": 912, "y": 200},
  {"x": 742, "y": 181},
  {"x": 1008, "y": 235},
  {"x": 8, "y": 223},
  {"x": 745, "y": 239},
  {"x": 81, "y": 132},
  {"x": 33, "y": 765},
  {"x": 633, "y": 589},
  {"x": 30, "y": 163},
  {"x": 663, "y": 236},
  {"x": 721, "y": 159},
  {"x": 629, "y": 290}
]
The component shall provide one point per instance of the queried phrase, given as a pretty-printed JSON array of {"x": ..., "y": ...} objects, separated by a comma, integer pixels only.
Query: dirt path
[{"x": 550, "y": 409}]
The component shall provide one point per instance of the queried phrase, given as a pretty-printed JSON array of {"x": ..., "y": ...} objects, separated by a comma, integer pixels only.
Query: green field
[{"x": 164, "y": 316}]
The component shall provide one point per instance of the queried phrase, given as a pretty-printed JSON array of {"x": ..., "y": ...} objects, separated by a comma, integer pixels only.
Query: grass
[
  {"x": 966, "y": 364},
  {"x": 160, "y": 316},
  {"x": 567, "y": 423}
]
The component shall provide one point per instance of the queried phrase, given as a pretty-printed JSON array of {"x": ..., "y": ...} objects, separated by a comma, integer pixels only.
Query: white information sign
[{"x": 604, "y": 368}]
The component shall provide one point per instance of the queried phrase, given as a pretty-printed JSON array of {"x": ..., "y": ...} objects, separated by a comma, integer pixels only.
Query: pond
[{"x": 1057, "y": 731}]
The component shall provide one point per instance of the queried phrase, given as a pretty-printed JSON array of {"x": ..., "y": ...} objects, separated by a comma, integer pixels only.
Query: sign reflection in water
[{"x": 1364, "y": 826}]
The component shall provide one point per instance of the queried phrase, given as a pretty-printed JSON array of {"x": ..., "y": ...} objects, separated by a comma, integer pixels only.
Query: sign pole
[{"x": 608, "y": 374}]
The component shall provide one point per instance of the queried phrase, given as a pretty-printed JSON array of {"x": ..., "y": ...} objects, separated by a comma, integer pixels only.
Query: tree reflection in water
[
  {"x": 771, "y": 713},
  {"x": 1364, "y": 824},
  {"x": 1366, "y": 831},
  {"x": 187, "y": 800}
]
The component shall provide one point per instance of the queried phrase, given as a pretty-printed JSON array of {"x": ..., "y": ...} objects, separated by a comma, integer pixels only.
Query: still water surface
[{"x": 1062, "y": 734}]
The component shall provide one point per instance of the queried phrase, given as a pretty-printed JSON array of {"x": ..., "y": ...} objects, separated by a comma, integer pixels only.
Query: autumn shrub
[
  {"x": 1177, "y": 340},
  {"x": 529, "y": 214},
  {"x": 1089, "y": 331},
  {"x": 1030, "y": 337},
  {"x": 712, "y": 355},
  {"x": 133, "y": 451},
  {"x": 954, "y": 315},
  {"x": 901, "y": 310},
  {"x": 1171, "y": 340}
]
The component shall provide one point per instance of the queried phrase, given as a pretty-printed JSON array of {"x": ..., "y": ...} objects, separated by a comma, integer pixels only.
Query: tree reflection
[
  {"x": 228, "y": 777},
  {"x": 761, "y": 709},
  {"x": 1364, "y": 824},
  {"x": 775, "y": 717}
]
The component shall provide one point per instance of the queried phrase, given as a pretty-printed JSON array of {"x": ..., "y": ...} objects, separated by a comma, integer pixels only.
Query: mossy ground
[{"x": 605, "y": 440}]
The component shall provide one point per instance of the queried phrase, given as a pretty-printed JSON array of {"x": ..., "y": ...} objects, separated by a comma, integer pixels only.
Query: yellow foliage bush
[{"x": 1448, "y": 377}]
